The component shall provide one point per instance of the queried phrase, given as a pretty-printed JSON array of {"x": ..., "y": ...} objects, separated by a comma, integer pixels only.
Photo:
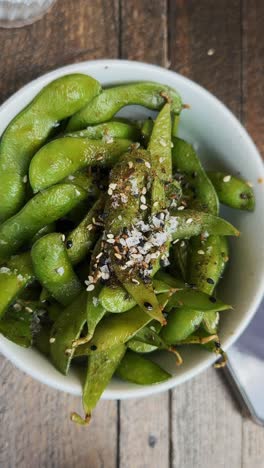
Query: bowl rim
[{"x": 136, "y": 390}]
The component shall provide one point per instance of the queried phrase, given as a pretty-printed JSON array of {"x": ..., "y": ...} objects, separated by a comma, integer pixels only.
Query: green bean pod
[
  {"x": 109, "y": 130},
  {"x": 53, "y": 268},
  {"x": 192, "y": 223},
  {"x": 31, "y": 127},
  {"x": 180, "y": 324},
  {"x": 232, "y": 191},
  {"x": 134, "y": 368},
  {"x": 15, "y": 275},
  {"x": 104, "y": 107},
  {"x": 65, "y": 330},
  {"x": 65, "y": 156}
]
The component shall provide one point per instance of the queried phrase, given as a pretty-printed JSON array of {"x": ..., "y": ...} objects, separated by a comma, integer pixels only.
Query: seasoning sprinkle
[
  {"x": 200, "y": 252},
  {"x": 52, "y": 340},
  {"x": 227, "y": 178},
  {"x": 90, "y": 287}
]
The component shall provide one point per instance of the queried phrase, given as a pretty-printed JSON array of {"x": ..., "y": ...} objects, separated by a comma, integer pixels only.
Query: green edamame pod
[
  {"x": 101, "y": 367},
  {"x": 179, "y": 256},
  {"x": 118, "y": 329},
  {"x": 65, "y": 330},
  {"x": 146, "y": 130},
  {"x": 180, "y": 324},
  {"x": 134, "y": 368},
  {"x": 30, "y": 128},
  {"x": 64, "y": 156},
  {"x": 45, "y": 207},
  {"x": 109, "y": 130},
  {"x": 185, "y": 160},
  {"x": 81, "y": 240},
  {"x": 85, "y": 181},
  {"x": 14, "y": 277},
  {"x": 232, "y": 191},
  {"x": 192, "y": 223},
  {"x": 104, "y": 107},
  {"x": 53, "y": 268},
  {"x": 175, "y": 125},
  {"x": 42, "y": 340},
  {"x": 95, "y": 311}
]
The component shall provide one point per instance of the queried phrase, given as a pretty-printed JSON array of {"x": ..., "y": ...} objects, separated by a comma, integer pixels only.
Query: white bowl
[{"x": 222, "y": 143}]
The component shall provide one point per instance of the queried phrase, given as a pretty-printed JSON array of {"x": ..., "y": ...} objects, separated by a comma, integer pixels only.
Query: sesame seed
[
  {"x": 134, "y": 280},
  {"x": 200, "y": 252},
  {"x": 130, "y": 164},
  {"x": 147, "y": 164},
  {"x": 112, "y": 186},
  {"x": 227, "y": 178},
  {"x": 110, "y": 236},
  {"x": 120, "y": 217},
  {"x": 162, "y": 143},
  {"x": 110, "y": 241},
  {"x": 143, "y": 207},
  {"x": 60, "y": 271},
  {"x": 211, "y": 52},
  {"x": 143, "y": 199},
  {"x": 90, "y": 287},
  {"x": 181, "y": 208},
  {"x": 68, "y": 351},
  {"x": 63, "y": 237},
  {"x": 155, "y": 204},
  {"x": 25, "y": 179},
  {"x": 144, "y": 191},
  {"x": 52, "y": 340},
  {"x": 110, "y": 191},
  {"x": 189, "y": 221},
  {"x": 249, "y": 184},
  {"x": 118, "y": 256},
  {"x": 71, "y": 177}
]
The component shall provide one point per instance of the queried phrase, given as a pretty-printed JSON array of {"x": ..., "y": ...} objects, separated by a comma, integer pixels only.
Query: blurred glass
[{"x": 18, "y": 13}]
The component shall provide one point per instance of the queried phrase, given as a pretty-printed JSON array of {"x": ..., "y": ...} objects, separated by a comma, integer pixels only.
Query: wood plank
[
  {"x": 37, "y": 431},
  {"x": 72, "y": 31},
  {"x": 206, "y": 424},
  {"x": 144, "y": 429},
  {"x": 205, "y": 45},
  {"x": 144, "y": 423},
  {"x": 144, "y": 31},
  {"x": 253, "y": 118}
]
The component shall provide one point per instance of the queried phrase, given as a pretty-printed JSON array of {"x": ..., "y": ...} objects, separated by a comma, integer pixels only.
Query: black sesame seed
[
  {"x": 244, "y": 196},
  {"x": 148, "y": 306},
  {"x": 125, "y": 230},
  {"x": 212, "y": 299},
  {"x": 217, "y": 344},
  {"x": 210, "y": 280},
  {"x": 69, "y": 244},
  {"x": 93, "y": 347},
  {"x": 139, "y": 160}
]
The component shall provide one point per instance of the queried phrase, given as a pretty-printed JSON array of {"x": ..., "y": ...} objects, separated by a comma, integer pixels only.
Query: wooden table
[{"x": 219, "y": 44}]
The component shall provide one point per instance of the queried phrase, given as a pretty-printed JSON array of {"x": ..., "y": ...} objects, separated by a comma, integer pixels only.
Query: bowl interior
[{"x": 222, "y": 143}]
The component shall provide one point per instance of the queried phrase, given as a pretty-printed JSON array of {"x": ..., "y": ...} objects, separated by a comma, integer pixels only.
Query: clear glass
[{"x": 18, "y": 13}]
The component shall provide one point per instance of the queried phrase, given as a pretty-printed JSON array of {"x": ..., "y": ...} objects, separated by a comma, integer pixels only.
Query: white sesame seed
[
  {"x": 77, "y": 192},
  {"x": 124, "y": 198},
  {"x": 143, "y": 207},
  {"x": 118, "y": 256},
  {"x": 28, "y": 309},
  {"x": 249, "y": 184},
  {"x": 112, "y": 186},
  {"x": 120, "y": 217},
  {"x": 134, "y": 280},
  {"x": 110, "y": 241},
  {"x": 227, "y": 178},
  {"x": 90, "y": 287},
  {"x": 155, "y": 204},
  {"x": 143, "y": 199},
  {"x": 163, "y": 143},
  {"x": 25, "y": 179},
  {"x": 52, "y": 340},
  {"x": 211, "y": 52},
  {"x": 175, "y": 241},
  {"x": 200, "y": 252},
  {"x": 181, "y": 208},
  {"x": 60, "y": 271},
  {"x": 71, "y": 177},
  {"x": 110, "y": 236},
  {"x": 189, "y": 221},
  {"x": 172, "y": 145},
  {"x": 99, "y": 255},
  {"x": 4, "y": 270},
  {"x": 63, "y": 237},
  {"x": 130, "y": 164},
  {"x": 144, "y": 191},
  {"x": 90, "y": 227},
  {"x": 182, "y": 244},
  {"x": 110, "y": 191},
  {"x": 68, "y": 351},
  {"x": 147, "y": 164}
]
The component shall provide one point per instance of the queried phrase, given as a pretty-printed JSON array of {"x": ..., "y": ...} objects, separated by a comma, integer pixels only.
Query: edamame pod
[
  {"x": 65, "y": 330},
  {"x": 101, "y": 367},
  {"x": 30, "y": 128},
  {"x": 232, "y": 191},
  {"x": 64, "y": 156},
  {"x": 45, "y": 207},
  {"x": 53, "y": 268},
  {"x": 14, "y": 277},
  {"x": 192, "y": 223},
  {"x": 104, "y": 107},
  {"x": 109, "y": 130},
  {"x": 83, "y": 237},
  {"x": 134, "y": 368}
]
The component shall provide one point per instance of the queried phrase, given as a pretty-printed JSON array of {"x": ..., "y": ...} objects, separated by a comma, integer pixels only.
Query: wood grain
[
  {"x": 73, "y": 30},
  {"x": 205, "y": 45}
]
